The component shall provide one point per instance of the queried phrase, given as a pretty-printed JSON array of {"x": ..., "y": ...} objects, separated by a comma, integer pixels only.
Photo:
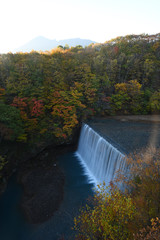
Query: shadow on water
[
  {"x": 76, "y": 190},
  {"x": 12, "y": 223}
]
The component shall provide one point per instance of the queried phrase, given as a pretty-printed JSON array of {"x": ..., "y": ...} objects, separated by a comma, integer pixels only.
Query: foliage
[
  {"x": 118, "y": 77},
  {"x": 45, "y": 95},
  {"x": 127, "y": 98},
  {"x": 2, "y": 93},
  {"x": 31, "y": 107},
  {"x": 65, "y": 108},
  {"x": 3, "y": 162},
  {"x": 150, "y": 232},
  {"x": 154, "y": 103},
  {"x": 126, "y": 215},
  {"x": 109, "y": 218},
  {"x": 143, "y": 182},
  {"x": 11, "y": 126},
  {"x": 31, "y": 111}
]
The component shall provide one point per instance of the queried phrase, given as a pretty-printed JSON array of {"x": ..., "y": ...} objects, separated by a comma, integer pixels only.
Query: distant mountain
[
  {"x": 75, "y": 41},
  {"x": 44, "y": 44}
]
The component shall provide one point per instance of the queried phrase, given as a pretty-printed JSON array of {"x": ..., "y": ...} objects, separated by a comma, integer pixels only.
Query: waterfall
[{"x": 98, "y": 157}]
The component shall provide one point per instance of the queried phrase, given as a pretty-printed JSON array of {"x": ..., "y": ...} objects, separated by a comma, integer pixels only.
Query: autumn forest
[{"x": 45, "y": 96}]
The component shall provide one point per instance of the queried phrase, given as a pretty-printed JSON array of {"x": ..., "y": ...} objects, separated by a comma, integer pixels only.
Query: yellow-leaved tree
[{"x": 109, "y": 217}]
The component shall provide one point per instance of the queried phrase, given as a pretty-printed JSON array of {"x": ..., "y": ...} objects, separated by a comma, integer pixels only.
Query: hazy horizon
[
  {"x": 41, "y": 43},
  {"x": 97, "y": 20}
]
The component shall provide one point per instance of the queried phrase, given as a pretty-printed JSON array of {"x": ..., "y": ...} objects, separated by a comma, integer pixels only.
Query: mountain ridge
[{"x": 41, "y": 43}]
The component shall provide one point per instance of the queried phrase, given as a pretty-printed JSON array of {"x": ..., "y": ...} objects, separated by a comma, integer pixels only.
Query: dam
[
  {"x": 104, "y": 144},
  {"x": 100, "y": 159}
]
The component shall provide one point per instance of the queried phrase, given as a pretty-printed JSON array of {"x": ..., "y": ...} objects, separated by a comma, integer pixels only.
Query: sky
[{"x": 97, "y": 20}]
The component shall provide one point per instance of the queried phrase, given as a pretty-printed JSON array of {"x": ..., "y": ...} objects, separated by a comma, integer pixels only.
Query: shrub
[
  {"x": 143, "y": 184},
  {"x": 109, "y": 217},
  {"x": 150, "y": 232}
]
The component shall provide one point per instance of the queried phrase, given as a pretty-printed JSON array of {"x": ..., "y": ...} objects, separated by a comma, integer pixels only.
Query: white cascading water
[{"x": 98, "y": 157}]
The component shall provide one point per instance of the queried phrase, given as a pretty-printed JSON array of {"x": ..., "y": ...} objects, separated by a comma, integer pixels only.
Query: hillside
[{"x": 44, "y": 97}]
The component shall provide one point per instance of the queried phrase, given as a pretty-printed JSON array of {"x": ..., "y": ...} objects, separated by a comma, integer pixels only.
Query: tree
[
  {"x": 150, "y": 232},
  {"x": 142, "y": 181},
  {"x": 2, "y": 94},
  {"x": 60, "y": 46},
  {"x": 65, "y": 107},
  {"x": 154, "y": 103},
  {"x": 11, "y": 125},
  {"x": 66, "y": 46},
  {"x": 31, "y": 111},
  {"x": 3, "y": 162},
  {"x": 127, "y": 98},
  {"x": 109, "y": 217}
]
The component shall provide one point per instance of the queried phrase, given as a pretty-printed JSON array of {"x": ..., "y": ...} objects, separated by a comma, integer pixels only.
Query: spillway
[{"x": 98, "y": 157}]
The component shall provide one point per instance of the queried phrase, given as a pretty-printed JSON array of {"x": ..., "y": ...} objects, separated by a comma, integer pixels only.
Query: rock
[{"x": 124, "y": 120}]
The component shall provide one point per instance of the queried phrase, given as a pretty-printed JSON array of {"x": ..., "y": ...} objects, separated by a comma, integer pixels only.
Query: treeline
[{"x": 44, "y": 95}]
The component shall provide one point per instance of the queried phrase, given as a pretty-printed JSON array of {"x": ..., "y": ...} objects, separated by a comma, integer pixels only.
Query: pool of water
[
  {"x": 76, "y": 190},
  {"x": 12, "y": 222}
]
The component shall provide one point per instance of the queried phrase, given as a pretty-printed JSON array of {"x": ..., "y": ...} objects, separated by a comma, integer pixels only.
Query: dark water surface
[
  {"x": 76, "y": 190},
  {"x": 12, "y": 223},
  {"x": 128, "y": 136}
]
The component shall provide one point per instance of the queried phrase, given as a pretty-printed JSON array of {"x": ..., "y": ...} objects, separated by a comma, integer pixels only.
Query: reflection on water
[
  {"x": 12, "y": 223},
  {"x": 76, "y": 191}
]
